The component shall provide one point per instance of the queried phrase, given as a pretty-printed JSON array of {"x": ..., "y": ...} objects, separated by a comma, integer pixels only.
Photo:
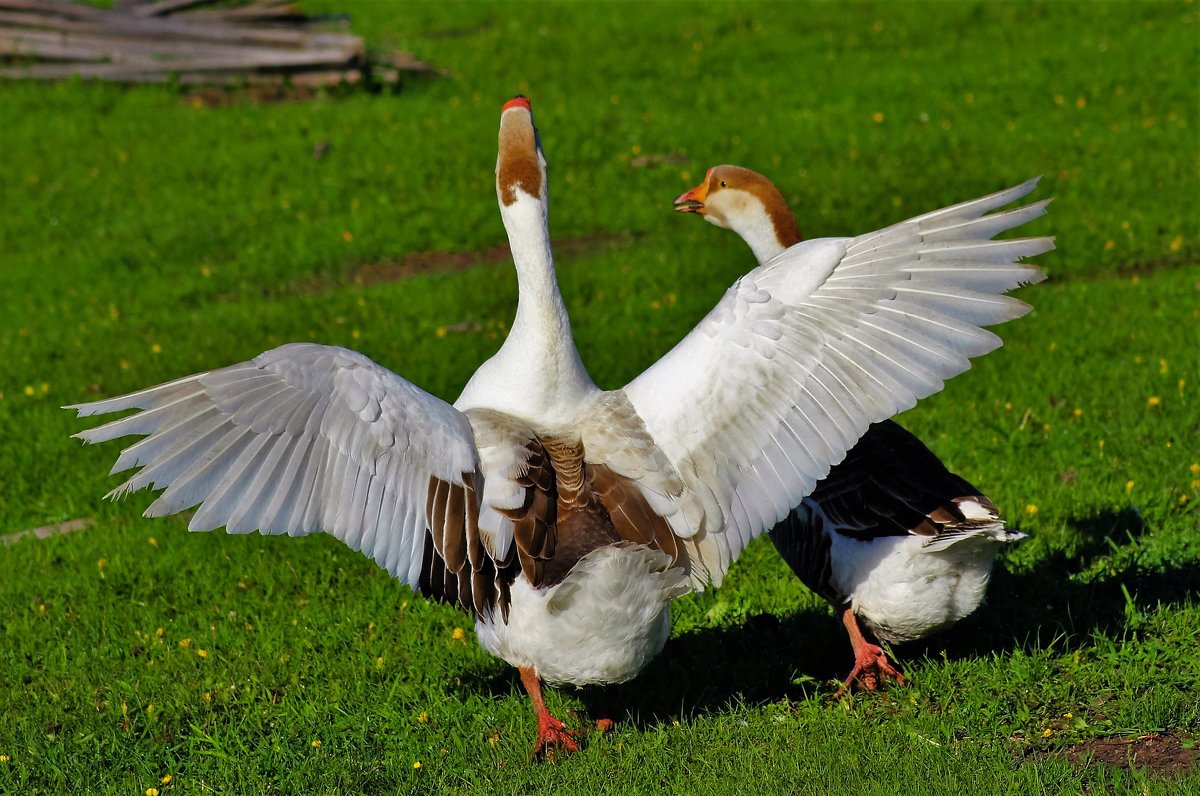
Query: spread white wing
[
  {"x": 302, "y": 438},
  {"x": 802, "y": 354}
]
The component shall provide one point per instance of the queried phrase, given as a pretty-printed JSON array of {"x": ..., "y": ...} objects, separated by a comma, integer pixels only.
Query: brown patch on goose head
[
  {"x": 519, "y": 164},
  {"x": 704, "y": 200}
]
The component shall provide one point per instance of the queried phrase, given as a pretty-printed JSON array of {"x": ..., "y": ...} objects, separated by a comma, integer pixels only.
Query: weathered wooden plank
[
  {"x": 128, "y": 25},
  {"x": 260, "y": 60},
  {"x": 84, "y": 46},
  {"x": 165, "y": 7},
  {"x": 125, "y": 74},
  {"x": 139, "y": 41},
  {"x": 254, "y": 12},
  {"x": 60, "y": 8}
]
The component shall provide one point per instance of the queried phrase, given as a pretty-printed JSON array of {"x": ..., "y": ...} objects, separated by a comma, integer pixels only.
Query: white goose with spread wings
[
  {"x": 564, "y": 517},
  {"x": 894, "y": 540}
]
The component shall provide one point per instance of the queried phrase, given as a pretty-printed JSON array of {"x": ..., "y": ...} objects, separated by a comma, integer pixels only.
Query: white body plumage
[{"x": 602, "y": 624}]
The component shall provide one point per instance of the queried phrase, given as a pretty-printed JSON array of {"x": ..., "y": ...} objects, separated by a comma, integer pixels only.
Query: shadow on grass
[
  {"x": 767, "y": 659},
  {"x": 1052, "y": 602}
]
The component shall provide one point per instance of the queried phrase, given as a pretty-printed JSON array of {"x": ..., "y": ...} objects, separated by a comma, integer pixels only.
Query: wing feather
[
  {"x": 303, "y": 438},
  {"x": 804, "y": 353}
]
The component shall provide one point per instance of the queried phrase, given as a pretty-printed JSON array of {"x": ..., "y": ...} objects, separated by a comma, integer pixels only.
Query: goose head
[
  {"x": 520, "y": 164},
  {"x": 747, "y": 203}
]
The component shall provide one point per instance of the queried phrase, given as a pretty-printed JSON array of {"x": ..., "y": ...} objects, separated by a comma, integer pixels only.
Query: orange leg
[
  {"x": 871, "y": 663},
  {"x": 551, "y": 731}
]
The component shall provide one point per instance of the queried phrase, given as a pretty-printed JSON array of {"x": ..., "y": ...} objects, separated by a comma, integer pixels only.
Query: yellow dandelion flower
[
  {"x": 155, "y": 348},
  {"x": 355, "y": 334},
  {"x": 202, "y": 653},
  {"x": 417, "y": 763},
  {"x": 205, "y": 271},
  {"x": 1154, "y": 400},
  {"x": 151, "y": 791},
  {"x": 1100, "y": 444},
  {"x": 1195, "y": 468},
  {"x": 1109, "y": 245},
  {"x": 379, "y": 662},
  {"x": 1068, "y": 715},
  {"x": 102, "y": 563},
  {"x": 316, "y": 744},
  {"x": 158, "y": 632},
  {"x": 1195, "y": 483},
  {"x": 347, "y": 236},
  {"x": 1162, "y": 366},
  {"x": 124, "y": 365},
  {"x": 152, "y": 542},
  {"x": 1128, "y": 487},
  {"x": 1081, "y": 103},
  {"x": 3, "y": 758},
  {"x": 440, "y": 331},
  {"x": 45, "y": 387},
  {"x": 208, "y": 697},
  {"x": 459, "y": 634},
  {"x": 1008, "y": 405},
  {"x": 877, "y": 117},
  {"x": 494, "y": 739},
  {"x": 1046, "y": 733},
  {"x": 1078, "y": 412},
  {"x": 423, "y": 717},
  {"x": 29, "y": 390},
  {"x": 1183, "y": 499},
  {"x": 185, "y": 642},
  {"x": 1031, "y": 509},
  {"x": 1176, "y": 243},
  {"x": 166, "y": 780}
]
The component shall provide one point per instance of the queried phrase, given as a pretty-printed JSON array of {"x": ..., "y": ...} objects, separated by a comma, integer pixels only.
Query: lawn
[{"x": 147, "y": 234}]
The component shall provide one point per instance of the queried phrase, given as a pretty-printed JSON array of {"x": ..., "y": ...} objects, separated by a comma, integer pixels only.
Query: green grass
[{"x": 144, "y": 238}]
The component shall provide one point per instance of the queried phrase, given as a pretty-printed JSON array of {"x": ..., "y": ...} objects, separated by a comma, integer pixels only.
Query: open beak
[{"x": 693, "y": 200}]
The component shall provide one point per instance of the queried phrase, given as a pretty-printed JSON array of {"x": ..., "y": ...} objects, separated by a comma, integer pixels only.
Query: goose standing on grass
[
  {"x": 901, "y": 546},
  {"x": 563, "y": 517}
]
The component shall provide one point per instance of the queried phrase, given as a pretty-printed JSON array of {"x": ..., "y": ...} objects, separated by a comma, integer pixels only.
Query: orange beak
[{"x": 693, "y": 200}]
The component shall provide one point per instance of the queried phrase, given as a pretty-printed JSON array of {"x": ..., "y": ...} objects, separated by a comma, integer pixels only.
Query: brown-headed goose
[
  {"x": 564, "y": 517},
  {"x": 901, "y": 546}
]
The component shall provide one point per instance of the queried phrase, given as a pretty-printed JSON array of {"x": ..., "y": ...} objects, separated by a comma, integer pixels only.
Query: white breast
[{"x": 602, "y": 624}]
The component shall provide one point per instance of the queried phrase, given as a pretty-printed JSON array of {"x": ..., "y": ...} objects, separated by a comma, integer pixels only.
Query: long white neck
[
  {"x": 753, "y": 224},
  {"x": 537, "y": 374},
  {"x": 541, "y": 318}
]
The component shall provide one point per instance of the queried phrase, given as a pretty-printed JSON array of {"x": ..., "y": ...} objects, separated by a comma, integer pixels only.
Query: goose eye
[{"x": 722, "y": 183}]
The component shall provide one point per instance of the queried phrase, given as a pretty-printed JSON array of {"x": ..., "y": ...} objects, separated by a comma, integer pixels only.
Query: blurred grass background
[{"x": 149, "y": 233}]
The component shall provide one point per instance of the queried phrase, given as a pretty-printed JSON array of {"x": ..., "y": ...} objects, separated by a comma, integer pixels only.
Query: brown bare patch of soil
[
  {"x": 454, "y": 262},
  {"x": 1164, "y": 754},
  {"x": 46, "y": 531}
]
